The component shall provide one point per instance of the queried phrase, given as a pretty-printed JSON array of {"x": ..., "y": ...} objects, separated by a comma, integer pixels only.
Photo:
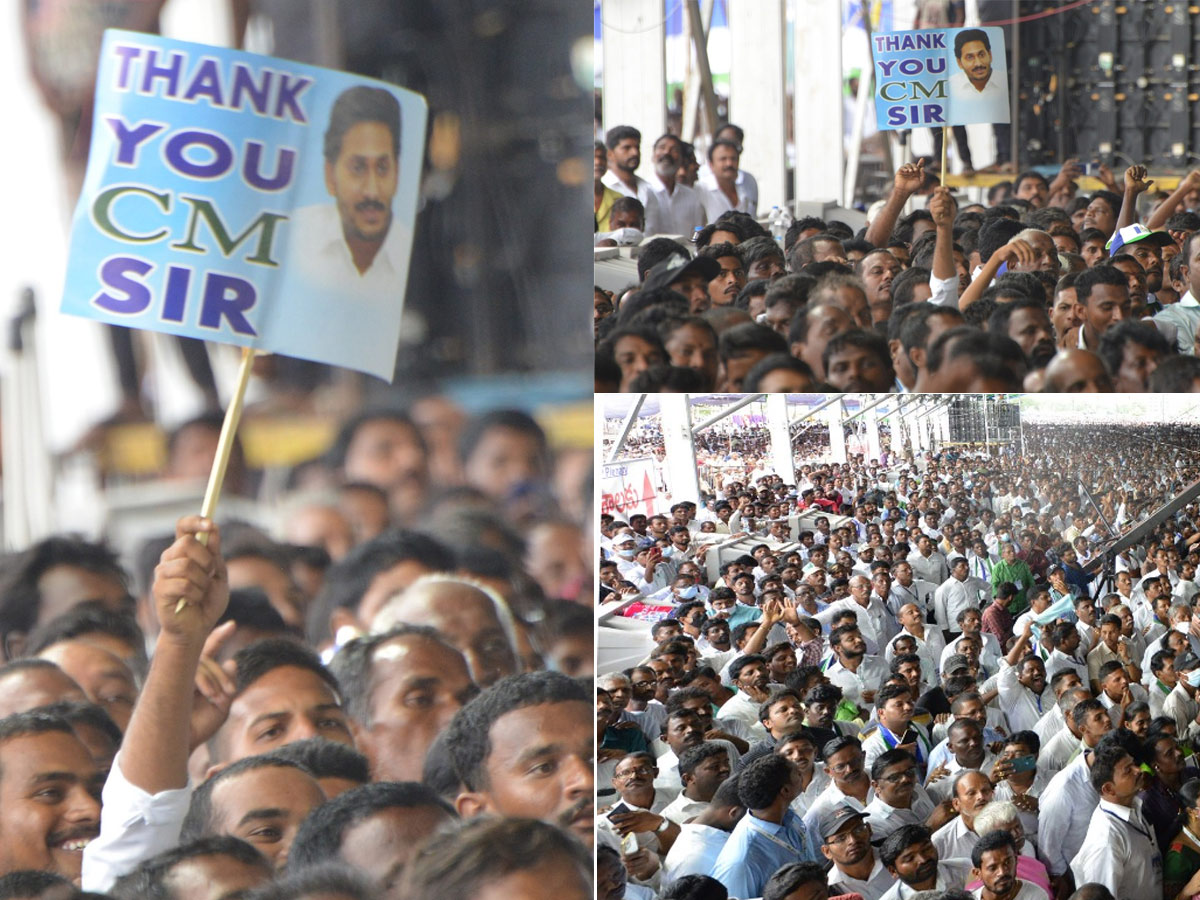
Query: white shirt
[
  {"x": 1029, "y": 820},
  {"x": 679, "y": 211},
  {"x": 1183, "y": 709},
  {"x": 1057, "y": 752},
  {"x": 953, "y": 596},
  {"x": 668, "y": 767},
  {"x": 816, "y": 787},
  {"x": 873, "y": 619},
  {"x": 1057, "y": 661},
  {"x": 683, "y": 808},
  {"x": 885, "y": 818},
  {"x": 954, "y": 840},
  {"x": 919, "y": 592},
  {"x": 1021, "y": 705},
  {"x": 929, "y": 649},
  {"x": 932, "y": 568},
  {"x": 952, "y": 875},
  {"x": 1028, "y": 891},
  {"x": 875, "y": 886},
  {"x": 870, "y": 675},
  {"x": 1121, "y": 853},
  {"x": 1064, "y": 810},
  {"x": 716, "y": 203},
  {"x": 747, "y": 186},
  {"x": 745, "y": 710},
  {"x": 940, "y": 789},
  {"x": 694, "y": 852},
  {"x": 134, "y": 826}
]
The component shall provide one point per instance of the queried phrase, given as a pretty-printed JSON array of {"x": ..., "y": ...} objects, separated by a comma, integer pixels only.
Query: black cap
[
  {"x": 836, "y": 819},
  {"x": 675, "y": 267}
]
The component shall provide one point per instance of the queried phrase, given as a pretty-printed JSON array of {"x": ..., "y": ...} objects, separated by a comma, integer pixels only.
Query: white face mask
[{"x": 627, "y": 554}]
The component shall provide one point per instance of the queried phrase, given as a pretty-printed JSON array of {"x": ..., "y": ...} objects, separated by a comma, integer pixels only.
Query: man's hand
[
  {"x": 215, "y": 688},
  {"x": 1135, "y": 180},
  {"x": 641, "y": 864},
  {"x": 634, "y": 822},
  {"x": 192, "y": 574},
  {"x": 909, "y": 178},
  {"x": 1104, "y": 173},
  {"x": 1017, "y": 253},
  {"x": 606, "y": 753},
  {"x": 937, "y": 774},
  {"x": 942, "y": 207},
  {"x": 772, "y": 612}
]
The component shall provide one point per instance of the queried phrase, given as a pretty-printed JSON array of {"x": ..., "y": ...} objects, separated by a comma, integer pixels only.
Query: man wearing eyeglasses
[{"x": 856, "y": 868}]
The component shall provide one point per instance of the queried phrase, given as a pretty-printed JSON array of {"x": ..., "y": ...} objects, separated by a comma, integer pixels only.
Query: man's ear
[
  {"x": 470, "y": 804},
  {"x": 329, "y": 179}
]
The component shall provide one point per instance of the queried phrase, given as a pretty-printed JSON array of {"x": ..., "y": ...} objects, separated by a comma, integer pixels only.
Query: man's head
[
  {"x": 909, "y": 854},
  {"x": 375, "y": 829},
  {"x": 723, "y": 156},
  {"x": 973, "y": 51},
  {"x": 403, "y": 687},
  {"x": 218, "y": 866},
  {"x": 624, "y": 145},
  {"x": 1132, "y": 351},
  {"x": 284, "y": 694},
  {"x": 260, "y": 799},
  {"x": 858, "y": 360},
  {"x": 524, "y": 747},
  {"x": 362, "y": 155},
  {"x": 1076, "y": 371},
  {"x": 994, "y": 862},
  {"x": 49, "y": 795},
  {"x": 500, "y": 858},
  {"x": 469, "y": 615}
]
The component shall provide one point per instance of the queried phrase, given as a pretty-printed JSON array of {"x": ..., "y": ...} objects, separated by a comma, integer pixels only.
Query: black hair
[
  {"x": 756, "y": 248},
  {"x": 995, "y": 234},
  {"x": 361, "y": 104},
  {"x": 786, "y": 880},
  {"x": 772, "y": 363},
  {"x": 319, "y": 837},
  {"x": 871, "y": 341},
  {"x": 1114, "y": 339},
  {"x": 900, "y": 840},
  {"x": 906, "y": 282},
  {"x": 250, "y": 607},
  {"x": 198, "y": 822},
  {"x": 470, "y": 729},
  {"x": 511, "y": 419},
  {"x": 261, "y": 657},
  {"x": 149, "y": 881},
  {"x": 89, "y": 617},
  {"x": 327, "y": 759},
  {"x": 749, "y": 337},
  {"x": 619, "y": 133},
  {"x": 90, "y": 715},
  {"x": 723, "y": 142},
  {"x": 1177, "y": 374},
  {"x": 694, "y": 887},
  {"x": 349, "y": 578},
  {"x": 331, "y": 879},
  {"x": 655, "y": 251},
  {"x": 887, "y": 759},
  {"x": 485, "y": 850},
  {"x": 966, "y": 36},
  {"x": 760, "y": 782},
  {"x": 990, "y": 842},
  {"x": 998, "y": 321},
  {"x": 28, "y": 883},
  {"x": 21, "y": 597},
  {"x": 693, "y": 756},
  {"x": 735, "y": 667}
]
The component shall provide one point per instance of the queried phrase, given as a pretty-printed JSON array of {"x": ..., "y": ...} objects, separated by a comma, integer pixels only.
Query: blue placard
[
  {"x": 248, "y": 200},
  {"x": 940, "y": 76}
]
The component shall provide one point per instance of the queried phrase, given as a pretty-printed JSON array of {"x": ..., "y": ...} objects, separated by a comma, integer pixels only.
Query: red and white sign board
[{"x": 629, "y": 487}]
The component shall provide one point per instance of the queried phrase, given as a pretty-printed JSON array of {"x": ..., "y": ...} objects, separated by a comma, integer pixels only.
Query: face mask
[
  {"x": 1193, "y": 678},
  {"x": 626, "y": 554},
  {"x": 1181, "y": 627},
  {"x": 689, "y": 593},
  {"x": 668, "y": 552}
]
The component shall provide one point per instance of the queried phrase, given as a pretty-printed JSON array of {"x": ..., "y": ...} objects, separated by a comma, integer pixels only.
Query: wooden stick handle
[
  {"x": 233, "y": 415},
  {"x": 945, "y": 141}
]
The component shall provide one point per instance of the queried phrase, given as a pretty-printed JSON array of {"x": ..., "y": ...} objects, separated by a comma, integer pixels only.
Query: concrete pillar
[
  {"x": 757, "y": 96},
  {"x": 682, "y": 480},
  {"x": 781, "y": 440},
  {"x": 871, "y": 421},
  {"x": 817, "y": 62},
  {"x": 635, "y": 79},
  {"x": 837, "y": 435}
]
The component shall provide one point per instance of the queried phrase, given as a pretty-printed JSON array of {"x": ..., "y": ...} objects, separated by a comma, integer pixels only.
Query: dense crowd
[
  {"x": 959, "y": 679},
  {"x": 382, "y": 698},
  {"x": 1043, "y": 288}
]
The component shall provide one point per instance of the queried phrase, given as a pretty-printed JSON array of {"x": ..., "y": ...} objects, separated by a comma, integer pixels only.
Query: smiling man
[
  {"x": 49, "y": 796},
  {"x": 974, "y": 82},
  {"x": 354, "y": 239}
]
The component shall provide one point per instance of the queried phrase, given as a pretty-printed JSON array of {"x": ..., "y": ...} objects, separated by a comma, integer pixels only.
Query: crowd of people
[
  {"x": 1041, "y": 288},
  {"x": 962, "y": 676},
  {"x": 384, "y": 697}
]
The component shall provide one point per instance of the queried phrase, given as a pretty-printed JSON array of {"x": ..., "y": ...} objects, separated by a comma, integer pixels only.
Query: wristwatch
[{"x": 663, "y": 827}]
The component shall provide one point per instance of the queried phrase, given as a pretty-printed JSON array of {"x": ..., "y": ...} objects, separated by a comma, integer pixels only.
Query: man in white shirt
[
  {"x": 1022, "y": 685},
  {"x": 873, "y": 619},
  {"x": 856, "y": 673},
  {"x": 747, "y": 184},
  {"x": 927, "y": 562},
  {"x": 994, "y": 862},
  {"x": 702, "y": 769},
  {"x": 1064, "y": 810},
  {"x": 846, "y": 842},
  {"x": 724, "y": 195},
  {"x": 971, "y": 791},
  {"x": 906, "y": 588},
  {"x": 959, "y": 592},
  {"x": 909, "y": 854},
  {"x": 899, "y": 798},
  {"x": 624, "y": 156},
  {"x": 1120, "y": 851},
  {"x": 699, "y": 844},
  {"x": 680, "y": 210}
]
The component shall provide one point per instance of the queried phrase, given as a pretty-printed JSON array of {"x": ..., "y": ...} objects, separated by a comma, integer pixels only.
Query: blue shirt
[{"x": 757, "y": 849}]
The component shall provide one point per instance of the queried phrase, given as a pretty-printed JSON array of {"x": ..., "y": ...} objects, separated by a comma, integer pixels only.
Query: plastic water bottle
[{"x": 775, "y": 221}]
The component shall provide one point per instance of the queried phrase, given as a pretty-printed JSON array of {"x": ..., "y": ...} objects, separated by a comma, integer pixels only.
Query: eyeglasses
[
  {"x": 850, "y": 765},
  {"x": 862, "y": 829},
  {"x": 906, "y": 775},
  {"x": 640, "y": 771}
]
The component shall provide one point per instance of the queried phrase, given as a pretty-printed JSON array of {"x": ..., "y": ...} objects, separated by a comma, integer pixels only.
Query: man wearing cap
[
  {"x": 1185, "y": 314},
  {"x": 770, "y": 835},
  {"x": 1181, "y": 704},
  {"x": 846, "y": 842},
  {"x": 689, "y": 277}
]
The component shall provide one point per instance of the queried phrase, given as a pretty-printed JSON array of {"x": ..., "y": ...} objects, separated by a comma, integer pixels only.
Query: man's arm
[
  {"x": 146, "y": 795},
  {"x": 1135, "y": 183},
  {"x": 1187, "y": 184},
  {"x": 1066, "y": 175},
  {"x": 1016, "y": 252},
  {"x": 909, "y": 178},
  {"x": 943, "y": 208},
  {"x": 1018, "y": 648}
]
